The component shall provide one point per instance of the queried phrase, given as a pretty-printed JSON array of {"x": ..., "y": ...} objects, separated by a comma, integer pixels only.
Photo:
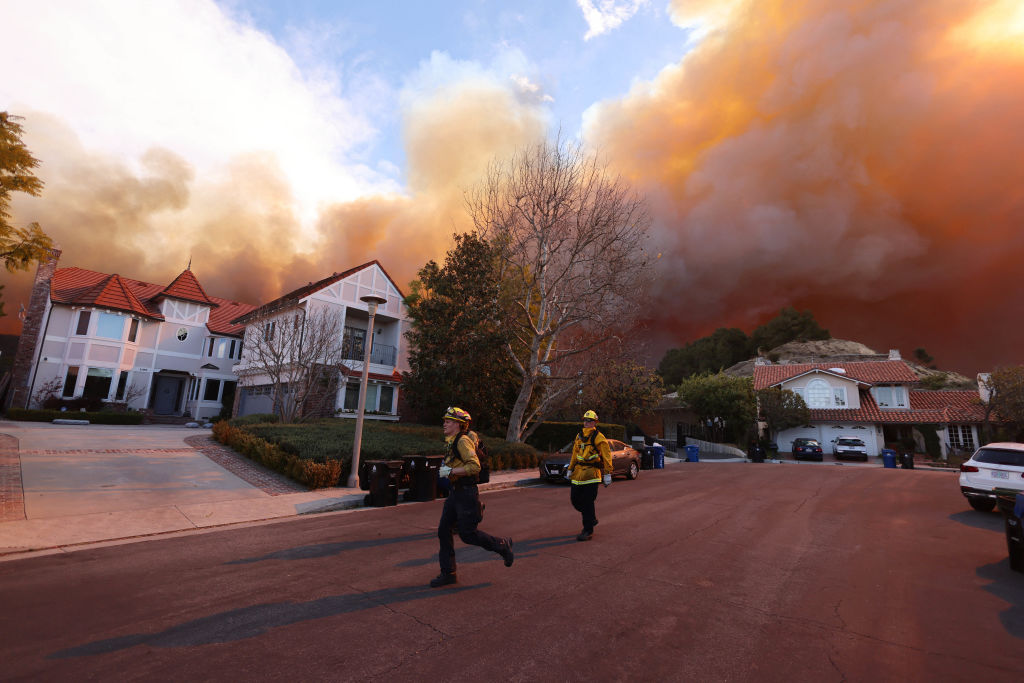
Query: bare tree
[
  {"x": 300, "y": 354},
  {"x": 570, "y": 239}
]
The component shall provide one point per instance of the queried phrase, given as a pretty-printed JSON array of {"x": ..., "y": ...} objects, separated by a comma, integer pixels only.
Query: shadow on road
[
  {"x": 308, "y": 552},
  {"x": 249, "y": 622},
  {"x": 1007, "y": 585},
  {"x": 992, "y": 521},
  {"x": 528, "y": 547}
]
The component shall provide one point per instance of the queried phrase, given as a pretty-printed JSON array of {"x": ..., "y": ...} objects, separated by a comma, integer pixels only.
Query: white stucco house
[
  {"x": 876, "y": 401},
  {"x": 339, "y": 293},
  {"x": 166, "y": 349}
]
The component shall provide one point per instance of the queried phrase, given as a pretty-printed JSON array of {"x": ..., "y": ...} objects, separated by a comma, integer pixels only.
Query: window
[
  {"x": 231, "y": 353},
  {"x": 182, "y": 334},
  {"x": 818, "y": 394},
  {"x": 212, "y": 390},
  {"x": 960, "y": 436},
  {"x": 352, "y": 342},
  {"x": 122, "y": 384},
  {"x": 351, "y": 396},
  {"x": 222, "y": 347},
  {"x": 227, "y": 397},
  {"x": 387, "y": 399},
  {"x": 890, "y": 397},
  {"x": 133, "y": 330},
  {"x": 799, "y": 391},
  {"x": 839, "y": 396},
  {"x": 83, "y": 323},
  {"x": 97, "y": 382},
  {"x": 209, "y": 347},
  {"x": 69, "y": 382},
  {"x": 110, "y": 326},
  {"x": 269, "y": 329}
]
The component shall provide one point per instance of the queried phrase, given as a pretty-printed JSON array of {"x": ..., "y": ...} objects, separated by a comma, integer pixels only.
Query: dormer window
[{"x": 890, "y": 397}]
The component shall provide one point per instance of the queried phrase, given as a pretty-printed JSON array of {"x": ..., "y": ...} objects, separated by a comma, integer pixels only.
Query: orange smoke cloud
[
  {"x": 240, "y": 229},
  {"x": 861, "y": 158}
]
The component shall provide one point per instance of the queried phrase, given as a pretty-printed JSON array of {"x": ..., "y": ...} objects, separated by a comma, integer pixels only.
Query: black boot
[
  {"x": 443, "y": 579},
  {"x": 584, "y": 535},
  {"x": 506, "y": 552}
]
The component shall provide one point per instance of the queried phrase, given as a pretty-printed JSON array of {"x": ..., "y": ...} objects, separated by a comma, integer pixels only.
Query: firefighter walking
[{"x": 590, "y": 465}]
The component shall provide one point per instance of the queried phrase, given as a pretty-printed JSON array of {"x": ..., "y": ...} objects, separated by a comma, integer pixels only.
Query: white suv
[
  {"x": 849, "y": 447},
  {"x": 994, "y": 466}
]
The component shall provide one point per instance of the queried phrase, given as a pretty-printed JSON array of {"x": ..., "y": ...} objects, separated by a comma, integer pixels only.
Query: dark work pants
[
  {"x": 583, "y": 497},
  {"x": 462, "y": 512}
]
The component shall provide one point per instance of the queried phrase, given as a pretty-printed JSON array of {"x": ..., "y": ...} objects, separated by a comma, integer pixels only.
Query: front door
[{"x": 168, "y": 389}]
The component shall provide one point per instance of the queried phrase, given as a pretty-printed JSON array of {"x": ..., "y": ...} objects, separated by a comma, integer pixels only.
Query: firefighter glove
[
  {"x": 607, "y": 479},
  {"x": 444, "y": 471}
]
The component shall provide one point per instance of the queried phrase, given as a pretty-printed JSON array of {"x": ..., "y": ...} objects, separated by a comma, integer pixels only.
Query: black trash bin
[
  {"x": 907, "y": 461},
  {"x": 382, "y": 478},
  {"x": 1011, "y": 504},
  {"x": 422, "y": 473},
  {"x": 647, "y": 458},
  {"x": 756, "y": 452}
]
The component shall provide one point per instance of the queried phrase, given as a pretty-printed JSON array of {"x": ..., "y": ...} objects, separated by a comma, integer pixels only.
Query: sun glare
[{"x": 998, "y": 27}]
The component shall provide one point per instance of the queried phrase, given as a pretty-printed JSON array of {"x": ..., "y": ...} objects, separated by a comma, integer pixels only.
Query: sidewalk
[{"x": 261, "y": 496}]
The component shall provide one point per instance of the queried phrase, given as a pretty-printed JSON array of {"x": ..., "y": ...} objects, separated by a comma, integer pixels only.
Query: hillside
[{"x": 842, "y": 350}]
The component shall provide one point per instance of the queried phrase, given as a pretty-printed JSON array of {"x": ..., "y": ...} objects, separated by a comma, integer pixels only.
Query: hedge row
[
  {"x": 99, "y": 418},
  {"x": 315, "y": 475},
  {"x": 551, "y": 436}
]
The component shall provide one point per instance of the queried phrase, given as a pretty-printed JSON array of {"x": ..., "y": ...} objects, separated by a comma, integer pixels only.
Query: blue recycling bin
[
  {"x": 658, "y": 456},
  {"x": 888, "y": 458},
  {"x": 692, "y": 453}
]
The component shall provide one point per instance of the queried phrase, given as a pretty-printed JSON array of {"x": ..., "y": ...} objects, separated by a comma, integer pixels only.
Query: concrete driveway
[{"x": 83, "y": 469}]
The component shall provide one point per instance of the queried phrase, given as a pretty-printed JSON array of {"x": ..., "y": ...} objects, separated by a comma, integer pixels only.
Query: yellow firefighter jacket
[
  {"x": 463, "y": 454},
  {"x": 588, "y": 461}
]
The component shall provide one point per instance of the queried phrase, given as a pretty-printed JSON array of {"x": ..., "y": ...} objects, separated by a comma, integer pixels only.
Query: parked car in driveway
[
  {"x": 807, "y": 449},
  {"x": 849, "y": 447},
  {"x": 625, "y": 462},
  {"x": 994, "y": 466}
]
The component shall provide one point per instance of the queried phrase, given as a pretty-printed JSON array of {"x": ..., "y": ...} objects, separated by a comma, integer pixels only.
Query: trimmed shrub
[
  {"x": 308, "y": 472},
  {"x": 256, "y": 418},
  {"x": 99, "y": 418}
]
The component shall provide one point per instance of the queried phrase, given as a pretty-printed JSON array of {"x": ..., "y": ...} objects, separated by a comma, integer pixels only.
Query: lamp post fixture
[{"x": 371, "y": 302}]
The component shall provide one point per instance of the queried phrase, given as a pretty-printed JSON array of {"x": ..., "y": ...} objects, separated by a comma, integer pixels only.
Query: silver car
[{"x": 849, "y": 447}]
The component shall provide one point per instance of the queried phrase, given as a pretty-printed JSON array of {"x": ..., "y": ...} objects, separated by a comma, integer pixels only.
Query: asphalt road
[{"x": 704, "y": 571}]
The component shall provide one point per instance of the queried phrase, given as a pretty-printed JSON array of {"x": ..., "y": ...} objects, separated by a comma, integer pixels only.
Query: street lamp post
[{"x": 371, "y": 306}]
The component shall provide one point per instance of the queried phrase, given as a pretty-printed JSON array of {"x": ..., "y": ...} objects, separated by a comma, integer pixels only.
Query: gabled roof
[
  {"x": 80, "y": 287},
  {"x": 293, "y": 297},
  {"x": 187, "y": 288},
  {"x": 870, "y": 372},
  {"x": 113, "y": 292}
]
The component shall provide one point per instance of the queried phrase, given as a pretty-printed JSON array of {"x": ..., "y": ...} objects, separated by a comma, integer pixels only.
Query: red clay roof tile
[
  {"x": 869, "y": 372},
  {"x": 187, "y": 287}
]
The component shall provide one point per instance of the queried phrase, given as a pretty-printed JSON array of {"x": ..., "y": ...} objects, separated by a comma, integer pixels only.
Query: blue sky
[{"x": 376, "y": 49}]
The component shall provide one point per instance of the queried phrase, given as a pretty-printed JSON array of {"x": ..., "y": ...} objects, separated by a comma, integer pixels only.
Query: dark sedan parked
[
  {"x": 807, "y": 449},
  {"x": 625, "y": 462}
]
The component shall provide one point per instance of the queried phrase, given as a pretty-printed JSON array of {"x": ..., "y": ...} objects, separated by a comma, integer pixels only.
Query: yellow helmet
[
  {"x": 457, "y": 415},
  {"x": 590, "y": 415}
]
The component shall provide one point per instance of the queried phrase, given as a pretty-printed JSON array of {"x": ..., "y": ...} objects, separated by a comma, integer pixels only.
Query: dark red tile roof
[
  {"x": 868, "y": 372},
  {"x": 926, "y": 407},
  {"x": 77, "y": 286},
  {"x": 295, "y": 295},
  {"x": 187, "y": 288}
]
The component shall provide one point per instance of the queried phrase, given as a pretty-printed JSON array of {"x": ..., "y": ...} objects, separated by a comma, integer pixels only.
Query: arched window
[{"x": 818, "y": 394}]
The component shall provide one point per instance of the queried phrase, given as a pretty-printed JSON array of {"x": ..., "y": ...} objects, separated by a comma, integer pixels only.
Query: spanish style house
[
  {"x": 168, "y": 349},
  {"x": 339, "y": 295},
  {"x": 875, "y": 401}
]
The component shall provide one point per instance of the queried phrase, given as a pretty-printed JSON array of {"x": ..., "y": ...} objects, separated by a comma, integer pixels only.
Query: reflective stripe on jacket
[{"x": 588, "y": 462}]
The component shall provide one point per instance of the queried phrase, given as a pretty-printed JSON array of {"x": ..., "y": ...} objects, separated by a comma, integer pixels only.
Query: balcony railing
[{"x": 381, "y": 354}]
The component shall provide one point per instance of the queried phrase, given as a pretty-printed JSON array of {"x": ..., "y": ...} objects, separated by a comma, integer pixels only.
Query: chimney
[
  {"x": 984, "y": 389},
  {"x": 28, "y": 342},
  {"x": 894, "y": 354}
]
